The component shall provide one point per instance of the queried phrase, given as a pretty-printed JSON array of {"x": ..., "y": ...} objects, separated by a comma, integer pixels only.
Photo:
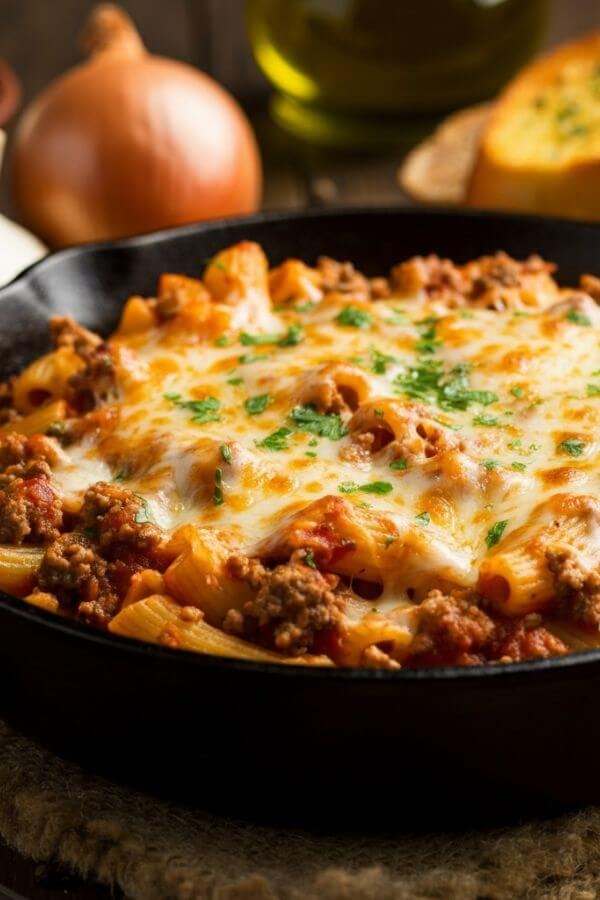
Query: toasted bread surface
[{"x": 540, "y": 151}]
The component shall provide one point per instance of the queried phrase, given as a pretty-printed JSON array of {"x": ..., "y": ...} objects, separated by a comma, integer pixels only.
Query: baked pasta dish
[{"x": 308, "y": 466}]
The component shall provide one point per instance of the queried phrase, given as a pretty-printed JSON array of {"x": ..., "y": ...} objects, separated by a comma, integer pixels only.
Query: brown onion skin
[{"x": 124, "y": 146}]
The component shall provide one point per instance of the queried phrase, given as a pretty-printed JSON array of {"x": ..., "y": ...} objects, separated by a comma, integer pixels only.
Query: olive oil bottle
[{"x": 370, "y": 72}]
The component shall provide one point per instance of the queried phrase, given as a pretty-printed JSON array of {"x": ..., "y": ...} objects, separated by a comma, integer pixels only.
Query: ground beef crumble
[
  {"x": 118, "y": 516},
  {"x": 66, "y": 332},
  {"x": 482, "y": 281},
  {"x": 73, "y": 571},
  {"x": 343, "y": 277},
  {"x": 292, "y": 605},
  {"x": 89, "y": 570},
  {"x": 577, "y": 585},
  {"x": 30, "y": 507},
  {"x": 454, "y": 630}
]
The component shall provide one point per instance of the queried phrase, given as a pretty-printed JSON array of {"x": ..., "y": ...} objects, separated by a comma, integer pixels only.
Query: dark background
[{"x": 39, "y": 38}]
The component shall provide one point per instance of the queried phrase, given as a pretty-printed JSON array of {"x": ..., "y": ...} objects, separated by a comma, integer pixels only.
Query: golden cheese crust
[{"x": 308, "y": 465}]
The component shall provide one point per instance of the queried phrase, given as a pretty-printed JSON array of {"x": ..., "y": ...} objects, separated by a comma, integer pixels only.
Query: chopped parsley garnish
[
  {"x": 257, "y": 404},
  {"x": 252, "y": 357},
  {"x": 305, "y": 307},
  {"x": 398, "y": 465},
  {"x": 328, "y": 425},
  {"x": 571, "y": 446},
  {"x": 399, "y": 317},
  {"x": 292, "y": 337},
  {"x": 144, "y": 513},
  {"x": 578, "y": 318},
  {"x": 235, "y": 381},
  {"x": 309, "y": 559},
  {"x": 313, "y": 442},
  {"x": 205, "y": 410},
  {"x": 427, "y": 343},
  {"x": 310, "y": 453},
  {"x": 222, "y": 341},
  {"x": 495, "y": 533},
  {"x": 517, "y": 391},
  {"x": 423, "y": 518},
  {"x": 518, "y": 466},
  {"x": 354, "y": 317},
  {"x": 426, "y": 381},
  {"x": 225, "y": 451},
  {"x": 373, "y": 487},
  {"x": 379, "y": 360},
  {"x": 593, "y": 390},
  {"x": 486, "y": 419},
  {"x": 257, "y": 340},
  {"x": 278, "y": 440},
  {"x": 389, "y": 539},
  {"x": 490, "y": 463},
  {"x": 218, "y": 491}
]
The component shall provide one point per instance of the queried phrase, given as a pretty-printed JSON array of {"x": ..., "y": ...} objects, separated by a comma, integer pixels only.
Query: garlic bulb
[{"x": 18, "y": 247}]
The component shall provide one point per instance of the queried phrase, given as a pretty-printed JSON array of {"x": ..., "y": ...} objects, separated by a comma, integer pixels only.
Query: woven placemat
[{"x": 51, "y": 810}]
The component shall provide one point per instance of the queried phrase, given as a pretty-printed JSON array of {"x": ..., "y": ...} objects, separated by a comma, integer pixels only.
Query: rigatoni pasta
[{"x": 302, "y": 464}]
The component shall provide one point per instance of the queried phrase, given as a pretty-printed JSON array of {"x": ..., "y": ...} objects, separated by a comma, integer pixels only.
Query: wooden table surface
[{"x": 297, "y": 175}]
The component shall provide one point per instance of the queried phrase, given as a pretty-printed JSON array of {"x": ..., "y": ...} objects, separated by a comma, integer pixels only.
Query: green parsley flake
[
  {"x": 252, "y": 357},
  {"x": 218, "y": 491},
  {"x": 144, "y": 513},
  {"x": 379, "y": 360},
  {"x": 309, "y": 559},
  {"x": 593, "y": 390},
  {"x": 389, "y": 539},
  {"x": 485, "y": 419},
  {"x": 490, "y": 463},
  {"x": 518, "y": 466},
  {"x": 292, "y": 337},
  {"x": 278, "y": 440},
  {"x": 495, "y": 533},
  {"x": 399, "y": 317},
  {"x": 423, "y": 518},
  {"x": 517, "y": 391},
  {"x": 305, "y": 307},
  {"x": 398, "y": 465},
  {"x": 579, "y": 318},
  {"x": 205, "y": 410},
  {"x": 222, "y": 341},
  {"x": 427, "y": 343},
  {"x": 310, "y": 453},
  {"x": 354, "y": 317},
  {"x": 426, "y": 381},
  {"x": 225, "y": 451},
  {"x": 328, "y": 425},
  {"x": 256, "y": 405},
  {"x": 257, "y": 340},
  {"x": 571, "y": 446},
  {"x": 235, "y": 381},
  {"x": 374, "y": 487}
]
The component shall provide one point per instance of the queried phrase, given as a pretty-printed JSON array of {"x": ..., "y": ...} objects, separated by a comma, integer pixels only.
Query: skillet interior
[{"x": 509, "y": 735}]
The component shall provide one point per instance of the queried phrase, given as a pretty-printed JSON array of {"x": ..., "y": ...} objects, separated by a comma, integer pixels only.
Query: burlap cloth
[{"x": 51, "y": 810}]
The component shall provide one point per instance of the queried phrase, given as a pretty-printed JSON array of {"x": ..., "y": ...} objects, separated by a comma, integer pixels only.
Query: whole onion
[{"x": 128, "y": 143}]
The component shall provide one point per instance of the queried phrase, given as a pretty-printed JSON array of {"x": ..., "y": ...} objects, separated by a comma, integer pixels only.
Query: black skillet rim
[{"x": 444, "y": 674}]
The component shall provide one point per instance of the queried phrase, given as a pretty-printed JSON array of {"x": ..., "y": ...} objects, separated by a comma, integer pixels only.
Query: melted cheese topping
[{"x": 514, "y": 395}]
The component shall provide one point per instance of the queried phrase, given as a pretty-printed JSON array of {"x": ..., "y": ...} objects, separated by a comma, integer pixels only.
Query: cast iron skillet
[{"x": 450, "y": 739}]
